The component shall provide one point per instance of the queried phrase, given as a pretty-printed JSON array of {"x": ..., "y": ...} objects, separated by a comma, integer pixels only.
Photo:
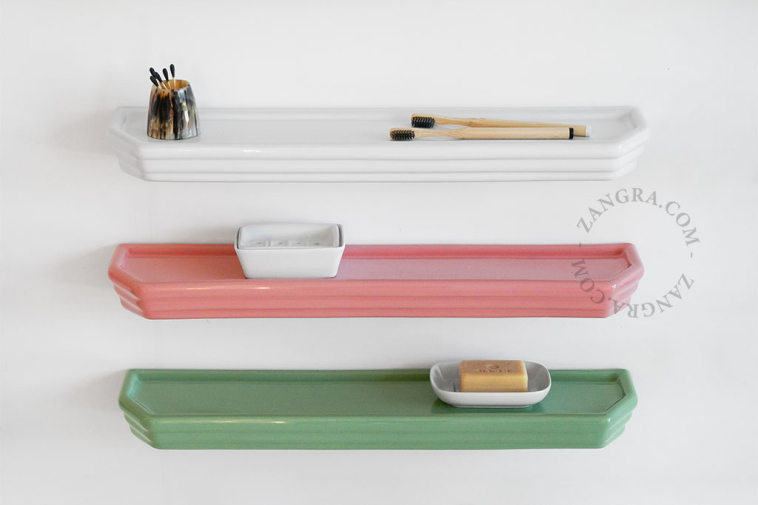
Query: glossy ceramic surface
[
  {"x": 375, "y": 409},
  {"x": 446, "y": 383},
  {"x": 352, "y": 145},
  {"x": 184, "y": 281},
  {"x": 290, "y": 250}
]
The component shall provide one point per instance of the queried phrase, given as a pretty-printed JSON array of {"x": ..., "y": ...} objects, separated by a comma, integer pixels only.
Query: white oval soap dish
[{"x": 446, "y": 382}]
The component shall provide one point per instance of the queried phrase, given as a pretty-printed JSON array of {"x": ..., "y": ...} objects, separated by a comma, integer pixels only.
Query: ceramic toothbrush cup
[
  {"x": 172, "y": 114},
  {"x": 290, "y": 250}
]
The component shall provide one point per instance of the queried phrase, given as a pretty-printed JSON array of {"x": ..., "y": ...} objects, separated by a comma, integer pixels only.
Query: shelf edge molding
[
  {"x": 353, "y": 145},
  {"x": 201, "y": 281},
  {"x": 363, "y": 409}
]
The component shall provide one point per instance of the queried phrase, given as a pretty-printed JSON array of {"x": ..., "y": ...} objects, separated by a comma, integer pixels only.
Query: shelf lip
[
  {"x": 380, "y": 281},
  {"x": 224, "y": 153},
  {"x": 415, "y": 419}
]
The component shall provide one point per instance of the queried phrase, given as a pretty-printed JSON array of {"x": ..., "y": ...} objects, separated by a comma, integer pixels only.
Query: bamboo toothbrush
[
  {"x": 429, "y": 120},
  {"x": 538, "y": 133}
]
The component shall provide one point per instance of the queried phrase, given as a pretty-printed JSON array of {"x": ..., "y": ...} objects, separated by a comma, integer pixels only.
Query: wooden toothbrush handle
[
  {"x": 538, "y": 133},
  {"x": 579, "y": 130}
]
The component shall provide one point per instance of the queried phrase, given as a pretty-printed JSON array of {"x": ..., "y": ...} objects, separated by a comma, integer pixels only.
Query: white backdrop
[{"x": 692, "y": 68}]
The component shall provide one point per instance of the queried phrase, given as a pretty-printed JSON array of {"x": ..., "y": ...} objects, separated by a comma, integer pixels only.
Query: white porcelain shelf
[{"x": 353, "y": 145}]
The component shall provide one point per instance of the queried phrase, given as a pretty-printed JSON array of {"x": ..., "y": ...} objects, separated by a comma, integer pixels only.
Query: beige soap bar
[{"x": 505, "y": 376}]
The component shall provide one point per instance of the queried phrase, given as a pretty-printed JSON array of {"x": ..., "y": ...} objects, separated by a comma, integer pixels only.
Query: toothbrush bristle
[
  {"x": 398, "y": 134},
  {"x": 422, "y": 121}
]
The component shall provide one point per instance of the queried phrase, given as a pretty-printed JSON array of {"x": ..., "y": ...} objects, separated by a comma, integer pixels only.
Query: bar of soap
[{"x": 504, "y": 376}]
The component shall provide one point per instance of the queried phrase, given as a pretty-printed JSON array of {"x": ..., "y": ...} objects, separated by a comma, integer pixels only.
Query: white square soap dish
[
  {"x": 290, "y": 250},
  {"x": 445, "y": 379}
]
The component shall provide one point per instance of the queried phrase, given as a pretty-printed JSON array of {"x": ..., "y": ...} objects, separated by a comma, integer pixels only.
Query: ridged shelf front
[
  {"x": 353, "y": 145},
  {"x": 375, "y": 409},
  {"x": 197, "y": 281}
]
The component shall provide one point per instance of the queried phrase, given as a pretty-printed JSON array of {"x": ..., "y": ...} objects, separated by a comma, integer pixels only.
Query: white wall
[{"x": 66, "y": 342}]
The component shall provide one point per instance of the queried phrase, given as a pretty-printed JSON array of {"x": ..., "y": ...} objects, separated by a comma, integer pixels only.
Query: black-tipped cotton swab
[{"x": 157, "y": 77}]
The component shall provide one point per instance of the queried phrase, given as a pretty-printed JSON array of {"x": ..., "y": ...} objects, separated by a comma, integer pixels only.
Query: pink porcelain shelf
[{"x": 194, "y": 281}]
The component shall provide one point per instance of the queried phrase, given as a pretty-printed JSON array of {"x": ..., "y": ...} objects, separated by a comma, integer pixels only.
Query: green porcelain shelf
[{"x": 370, "y": 409}]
